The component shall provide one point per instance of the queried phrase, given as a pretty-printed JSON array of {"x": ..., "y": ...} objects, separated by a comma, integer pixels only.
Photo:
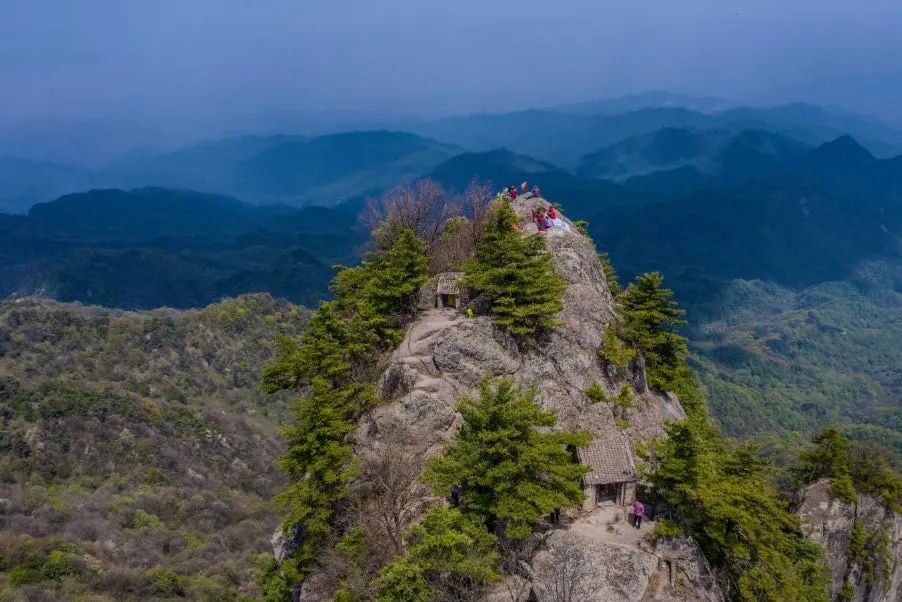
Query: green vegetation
[
  {"x": 666, "y": 528},
  {"x": 620, "y": 403},
  {"x": 613, "y": 348},
  {"x": 724, "y": 498},
  {"x": 335, "y": 360},
  {"x": 447, "y": 553},
  {"x": 514, "y": 272},
  {"x": 596, "y": 393},
  {"x": 509, "y": 473},
  {"x": 779, "y": 365},
  {"x": 134, "y": 443},
  {"x": 851, "y": 467},
  {"x": 650, "y": 320},
  {"x": 610, "y": 274},
  {"x": 720, "y": 494},
  {"x": 871, "y": 551}
]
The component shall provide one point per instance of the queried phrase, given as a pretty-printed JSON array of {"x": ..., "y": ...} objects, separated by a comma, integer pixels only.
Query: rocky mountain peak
[{"x": 447, "y": 350}]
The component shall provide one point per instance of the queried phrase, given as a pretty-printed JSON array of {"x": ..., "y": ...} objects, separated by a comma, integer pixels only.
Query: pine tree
[
  {"x": 319, "y": 460},
  {"x": 448, "y": 553},
  {"x": 396, "y": 274},
  {"x": 828, "y": 458},
  {"x": 610, "y": 274},
  {"x": 515, "y": 273},
  {"x": 509, "y": 472},
  {"x": 651, "y": 318},
  {"x": 334, "y": 362},
  {"x": 723, "y": 497}
]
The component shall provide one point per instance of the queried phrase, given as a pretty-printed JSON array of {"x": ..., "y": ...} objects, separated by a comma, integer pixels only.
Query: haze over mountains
[
  {"x": 789, "y": 217},
  {"x": 327, "y": 169}
]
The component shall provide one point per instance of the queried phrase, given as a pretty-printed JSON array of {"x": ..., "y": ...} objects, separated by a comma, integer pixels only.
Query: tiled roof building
[{"x": 613, "y": 476}]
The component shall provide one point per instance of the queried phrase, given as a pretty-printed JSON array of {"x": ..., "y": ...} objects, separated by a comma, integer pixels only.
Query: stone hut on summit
[
  {"x": 443, "y": 291},
  {"x": 612, "y": 478},
  {"x": 447, "y": 289}
]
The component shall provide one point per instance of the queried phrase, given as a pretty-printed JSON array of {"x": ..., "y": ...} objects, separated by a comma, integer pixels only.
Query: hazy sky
[{"x": 216, "y": 65}]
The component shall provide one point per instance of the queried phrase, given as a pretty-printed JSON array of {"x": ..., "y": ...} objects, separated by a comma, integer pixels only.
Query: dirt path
[
  {"x": 416, "y": 348},
  {"x": 609, "y": 524}
]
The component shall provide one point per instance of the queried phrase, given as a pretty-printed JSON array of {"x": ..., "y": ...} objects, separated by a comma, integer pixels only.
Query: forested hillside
[
  {"x": 137, "y": 454},
  {"x": 155, "y": 247}
]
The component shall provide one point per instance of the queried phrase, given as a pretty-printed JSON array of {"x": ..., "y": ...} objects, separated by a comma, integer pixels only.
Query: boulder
[
  {"x": 474, "y": 349},
  {"x": 590, "y": 570},
  {"x": 284, "y": 544},
  {"x": 828, "y": 522}
]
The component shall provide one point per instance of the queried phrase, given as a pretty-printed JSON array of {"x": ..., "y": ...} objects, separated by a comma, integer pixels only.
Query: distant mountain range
[
  {"x": 155, "y": 247},
  {"x": 596, "y": 139},
  {"x": 810, "y": 217},
  {"x": 564, "y": 137},
  {"x": 294, "y": 170}
]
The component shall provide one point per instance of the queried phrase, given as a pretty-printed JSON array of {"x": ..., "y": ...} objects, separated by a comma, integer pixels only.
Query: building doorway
[
  {"x": 607, "y": 492},
  {"x": 448, "y": 300}
]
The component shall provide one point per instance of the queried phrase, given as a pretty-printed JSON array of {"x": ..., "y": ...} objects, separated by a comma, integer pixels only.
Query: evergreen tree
[
  {"x": 723, "y": 497},
  {"x": 447, "y": 553},
  {"x": 828, "y": 458},
  {"x": 515, "y": 273},
  {"x": 610, "y": 274},
  {"x": 334, "y": 363},
  {"x": 510, "y": 473},
  {"x": 651, "y": 318},
  {"x": 851, "y": 467},
  {"x": 319, "y": 460},
  {"x": 396, "y": 274}
]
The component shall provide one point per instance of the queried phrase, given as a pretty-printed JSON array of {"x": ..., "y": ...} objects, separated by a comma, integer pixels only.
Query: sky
[{"x": 167, "y": 70}]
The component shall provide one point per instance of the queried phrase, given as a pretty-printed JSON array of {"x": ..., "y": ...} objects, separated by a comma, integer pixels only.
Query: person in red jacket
[
  {"x": 552, "y": 213},
  {"x": 638, "y": 513}
]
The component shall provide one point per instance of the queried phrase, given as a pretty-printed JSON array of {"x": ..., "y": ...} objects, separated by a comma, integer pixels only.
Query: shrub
[
  {"x": 57, "y": 565},
  {"x": 145, "y": 521},
  {"x": 402, "y": 580},
  {"x": 164, "y": 582},
  {"x": 613, "y": 349},
  {"x": 515, "y": 273},
  {"x": 272, "y": 580},
  {"x": 596, "y": 394},
  {"x": 23, "y": 575},
  {"x": 842, "y": 488},
  {"x": 665, "y": 528},
  {"x": 448, "y": 553}
]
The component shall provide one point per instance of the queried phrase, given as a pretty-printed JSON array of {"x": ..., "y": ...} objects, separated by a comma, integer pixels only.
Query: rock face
[
  {"x": 590, "y": 570},
  {"x": 829, "y": 522},
  {"x": 443, "y": 356}
]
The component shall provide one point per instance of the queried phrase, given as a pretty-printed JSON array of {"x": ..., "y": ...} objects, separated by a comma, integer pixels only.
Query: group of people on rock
[
  {"x": 545, "y": 219},
  {"x": 511, "y": 191}
]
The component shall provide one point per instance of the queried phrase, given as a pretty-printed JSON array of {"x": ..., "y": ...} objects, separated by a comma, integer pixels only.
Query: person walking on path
[{"x": 638, "y": 513}]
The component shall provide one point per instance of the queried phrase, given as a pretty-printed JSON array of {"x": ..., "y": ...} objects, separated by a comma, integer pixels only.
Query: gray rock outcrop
[
  {"x": 579, "y": 568},
  {"x": 444, "y": 354},
  {"x": 829, "y": 522}
]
